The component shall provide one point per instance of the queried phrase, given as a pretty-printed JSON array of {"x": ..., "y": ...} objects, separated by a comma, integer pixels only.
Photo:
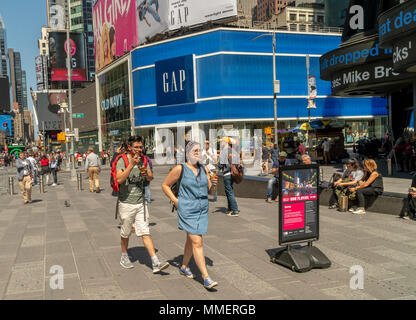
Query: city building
[
  {"x": 245, "y": 13},
  {"x": 220, "y": 79},
  {"x": 384, "y": 62},
  {"x": 57, "y": 13},
  {"x": 267, "y": 8},
  {"x": 4, "y": 94},
  {"x": 18, "y": 125},
  {"x": 3, "y": 48},
  {"x": 16, "y": 77},
  {"x": 335, "y": 12},
  {"x": 84, "y": 106},
  {"x": 301, "y": 18},
  {"x": 81, "y": 21},
  {"x": 29, "y": 127},
  {"x": 43, "y": 42},
  {"x": 24, "y": 90}
]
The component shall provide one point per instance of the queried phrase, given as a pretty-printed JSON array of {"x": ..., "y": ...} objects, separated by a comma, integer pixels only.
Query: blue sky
[{"x": 23, "y": 20}]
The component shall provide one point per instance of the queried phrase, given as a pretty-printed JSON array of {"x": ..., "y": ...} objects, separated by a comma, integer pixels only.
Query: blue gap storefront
[{"x": 222, "y": 78}]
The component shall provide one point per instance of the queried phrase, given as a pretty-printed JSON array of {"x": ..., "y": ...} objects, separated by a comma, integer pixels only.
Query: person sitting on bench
[
  {"x": 371, "y": 185},
  {"x": 351, "y": 176},
  {"x": 410, "y": 203}
]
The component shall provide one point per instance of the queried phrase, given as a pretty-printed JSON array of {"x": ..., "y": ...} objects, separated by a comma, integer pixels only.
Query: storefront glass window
[{"x": 115, "y": 106}]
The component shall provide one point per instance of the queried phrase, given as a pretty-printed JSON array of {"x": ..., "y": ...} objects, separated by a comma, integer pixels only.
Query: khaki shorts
[{"x": 133, "y": 215}]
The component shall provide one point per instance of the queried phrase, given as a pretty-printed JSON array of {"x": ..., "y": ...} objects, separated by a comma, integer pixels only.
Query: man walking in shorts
[{"x": 132, "y": 207}]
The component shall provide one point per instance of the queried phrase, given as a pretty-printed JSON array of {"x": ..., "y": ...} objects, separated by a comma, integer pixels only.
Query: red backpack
[{"x": 113, "y": 178}]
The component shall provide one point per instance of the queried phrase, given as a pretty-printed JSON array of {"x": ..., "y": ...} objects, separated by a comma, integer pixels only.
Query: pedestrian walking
[
  {"x": 192, "y": 204},
  {"x": 326, "y": 145},
  {"x": 229, "y": 156},
  {"x": 93, "y": 168},
  {"x": 35, "y": 167},
  {"x": 132, "y": 207},
  {"x": 44, "y": 168},
  {"x": 24, "y": 172},
  {"x": 282, "y": 161},
  {"x": 265, "y": 157},
  {"x": 53, "y": 165},
  {"x": 209, "y": 159},
  {"x": 147, "y": 194}
]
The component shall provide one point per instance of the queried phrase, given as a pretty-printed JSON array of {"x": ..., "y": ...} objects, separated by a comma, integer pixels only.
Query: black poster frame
[{"x": 305, "y": 238}]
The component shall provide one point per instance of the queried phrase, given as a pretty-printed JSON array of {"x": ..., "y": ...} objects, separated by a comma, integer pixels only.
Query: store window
[{"x": 115, "y": 105}]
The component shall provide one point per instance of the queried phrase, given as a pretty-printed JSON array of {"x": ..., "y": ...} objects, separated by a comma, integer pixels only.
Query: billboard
[
  {"x": 57, "y": 54},
  {"x": 157, "y": 16},
  {"x": 56, "y": 14},
  {"x": 6, "y": 124},
  {"x": 47, "y": 108},
  {"x": 115, "y": 29},
  {"x": 298, "y": 203},
  {"x": 4, "y": 94},
  {"x": 183, "y": 13},
  {"x": 40, "y": 73},
  {"x": 152, "y": 18}
]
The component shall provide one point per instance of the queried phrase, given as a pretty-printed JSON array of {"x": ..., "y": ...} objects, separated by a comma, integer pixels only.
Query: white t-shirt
[
  {"x": 33, "y": 163},
  {"x": 326, "y": 146}
]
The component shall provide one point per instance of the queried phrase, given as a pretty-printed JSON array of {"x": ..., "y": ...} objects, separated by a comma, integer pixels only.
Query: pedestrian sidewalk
[{"x": 83, "y": 238}]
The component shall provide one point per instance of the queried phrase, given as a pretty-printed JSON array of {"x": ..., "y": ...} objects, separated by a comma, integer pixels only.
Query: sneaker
[
  {"x": 125, "y": 262},
  {"x": 186, "y": 272},
  {"x": 269, "y": 200},
  {"x": 54, "y": 184},
  {"x": 359, "y": 211},
  {"x": 234, "y": 213},
  {"x": 333, "y": 206},
  {"x": 352, "y": 209},
  {"x": 406, "y": 218},
  {"x": 159, "y": 267},
  {"x": 209, "y": 283}
]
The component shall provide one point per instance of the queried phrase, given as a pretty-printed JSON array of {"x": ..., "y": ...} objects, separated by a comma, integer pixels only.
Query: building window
[
  {"x": 292, "y": 17},
  {"x": 293, "y": 27},
  {"x": 302, "y": 27},
  {"x": 302, "y": 17},
  {"x": 310, "y": 18},
  {"x": 320, "y": 19}
]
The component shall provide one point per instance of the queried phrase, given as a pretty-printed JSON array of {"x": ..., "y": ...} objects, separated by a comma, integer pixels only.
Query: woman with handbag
[
  {"x": 371, "y": 185},
  {"x": 192, "y": 204}
]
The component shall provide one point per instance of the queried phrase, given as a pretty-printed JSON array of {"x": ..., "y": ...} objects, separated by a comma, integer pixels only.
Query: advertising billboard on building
[
  {"x": 57, "y": 54},
  {"x": 156, "y": 16},
  {"x": 183, "y": 13},
  {"x": 40, "y": 79},
  {"x": 56, "y": 14},
  {"x": 4, "y": 94},
  {"x": 47, "y": 110},
  {"x": 298, "y": 203},
  {"x": 115, "y": 29},
  {"x": 6, "y": 124}
]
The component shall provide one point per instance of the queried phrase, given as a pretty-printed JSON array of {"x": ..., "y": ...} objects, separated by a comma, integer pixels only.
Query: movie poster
[{"x": 299, "y": 203}]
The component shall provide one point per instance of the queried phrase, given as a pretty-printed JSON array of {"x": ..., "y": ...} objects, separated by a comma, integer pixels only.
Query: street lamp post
[
  {"x": 68, "y": 64},
  {"x": 276, "y": 83},
  {"x": 64, "y": 110}
]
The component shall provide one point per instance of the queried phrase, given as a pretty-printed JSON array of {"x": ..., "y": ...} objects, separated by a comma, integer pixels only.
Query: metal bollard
[
  {"x": 79, "y": 181},
  {"x": 11, "y": 186},
  {"x": 389, "y": 169},
  {"x": 42, "y": 184}
]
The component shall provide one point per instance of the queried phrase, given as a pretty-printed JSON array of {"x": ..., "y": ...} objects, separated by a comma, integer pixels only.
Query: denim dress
[{"x": 193, "y": 202}]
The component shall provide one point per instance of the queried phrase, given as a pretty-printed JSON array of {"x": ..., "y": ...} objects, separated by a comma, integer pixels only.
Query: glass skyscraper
[{"x": 3, "y": 48}]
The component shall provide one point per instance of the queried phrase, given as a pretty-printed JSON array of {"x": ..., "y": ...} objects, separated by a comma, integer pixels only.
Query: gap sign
[{"x": 175, "y": 81}]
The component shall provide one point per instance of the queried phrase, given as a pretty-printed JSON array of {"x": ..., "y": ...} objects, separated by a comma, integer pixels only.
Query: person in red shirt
[{"x": 44, "y": 167}]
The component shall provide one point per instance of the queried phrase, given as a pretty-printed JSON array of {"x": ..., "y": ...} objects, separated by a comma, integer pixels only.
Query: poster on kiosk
[{"x": 299, "y": 219}]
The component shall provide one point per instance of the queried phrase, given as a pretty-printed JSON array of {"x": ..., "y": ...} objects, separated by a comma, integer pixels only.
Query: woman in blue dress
[{"x": 192, "y": 205}]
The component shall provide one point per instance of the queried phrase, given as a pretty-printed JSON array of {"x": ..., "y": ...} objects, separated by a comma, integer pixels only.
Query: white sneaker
[
  {"x": 352, "y": 209},
  {"x": 359, "y": 211},
  {"x": 54, "y": 184}
]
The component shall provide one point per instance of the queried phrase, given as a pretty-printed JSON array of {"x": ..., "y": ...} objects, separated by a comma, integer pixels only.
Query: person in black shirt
[
  {"x": 410, "y": 203},
  {"x": 265, "y": 157}
]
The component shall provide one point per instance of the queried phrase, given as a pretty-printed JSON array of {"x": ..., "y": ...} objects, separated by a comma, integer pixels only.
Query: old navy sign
[
  {"x": 176, "y": 81},
  {"x": 113, "y": 102}
]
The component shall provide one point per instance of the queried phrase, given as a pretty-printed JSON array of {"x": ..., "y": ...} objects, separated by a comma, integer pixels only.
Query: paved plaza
[{"x": 84, "y": 240}]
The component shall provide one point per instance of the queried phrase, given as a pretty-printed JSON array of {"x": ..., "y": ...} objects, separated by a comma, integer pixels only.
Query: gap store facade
[{"x": 223, "y": 79}]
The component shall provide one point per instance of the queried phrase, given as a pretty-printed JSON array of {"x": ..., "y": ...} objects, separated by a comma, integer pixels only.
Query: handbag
[
  {"x": 236, "y": 173},
  {"x": 343, "y": 203}
]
